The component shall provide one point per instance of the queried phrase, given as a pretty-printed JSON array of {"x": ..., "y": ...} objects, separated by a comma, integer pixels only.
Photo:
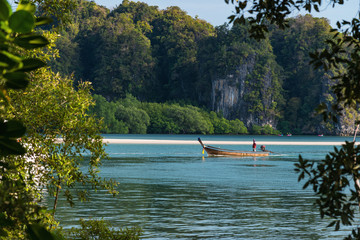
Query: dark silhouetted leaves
[
  {"x": 31, "y": 64},
  {"x": 31, "y": 41},
  {"x": 331, "y": 179},
  {"x": 5, "y": 10},
  {"x": 8, "y": 60},
  {"x": 9, "y": 132},
  {"x": 16, "y": 80},
  {"x": 43, "y": 21},
  {"x": 12, "y": 129},
  {"x": 22, "y": 22},
  {"x": 39, "y": 232}
]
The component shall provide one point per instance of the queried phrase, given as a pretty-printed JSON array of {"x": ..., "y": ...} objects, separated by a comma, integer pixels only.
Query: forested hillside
[{"x": 166, "y": 56}]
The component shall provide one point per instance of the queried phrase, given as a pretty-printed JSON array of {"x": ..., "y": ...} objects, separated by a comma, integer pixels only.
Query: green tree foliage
[
  {"x": 123, "y": 116},
  {"x": 125, "y": 61},
  {"x": 248, "y": 66},
  {"x": 106, "y": 110},
  {"x": 224, "y": 126},
  {"x": 20, "y": 214},
  {"x": 256, "y": 129},
  {"x": 166, "y": 55},
  {"x": 183, "y": 57},
  {"x": 176, "y": 119},
  {"x": 70, "y": 56},
  {"x": 237, "y": 127},
  {"x": 79, "y": 40},
  {"x": 51, "y": 109},
  {"x": 175, "y": 40},
  {"x": 16, "y": 31},
  {"x": 129, "y": 115},
  {"x": 100, "y": 229},
  {"x": 136, "y": 118},
  {"x": 264, "y": 130},
  {"x": 124, "y": 58},
  {"x": 187, "y": 119},
  {"x": 159, "y": 122},
  {"x": 142, "y": 14},
  {"x": 304, "y": 86},
  {"x": 332, "y": 179},
  {"x": 57, "y": 11}
]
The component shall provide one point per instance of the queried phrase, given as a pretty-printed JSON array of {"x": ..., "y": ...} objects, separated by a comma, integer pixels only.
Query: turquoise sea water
[{"x": 176, "y": 192}]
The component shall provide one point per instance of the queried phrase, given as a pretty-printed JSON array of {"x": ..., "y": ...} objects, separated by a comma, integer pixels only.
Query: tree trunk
[
  {"x": 56, "y": 196},
  {"x": 356, "y": 129}
]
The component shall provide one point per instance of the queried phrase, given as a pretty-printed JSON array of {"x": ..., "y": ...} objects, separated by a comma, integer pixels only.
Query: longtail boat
[{"x": 214, "y": 151}]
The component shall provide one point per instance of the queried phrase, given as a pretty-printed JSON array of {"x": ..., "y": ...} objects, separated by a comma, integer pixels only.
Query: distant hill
[{"x": 166, "y": 55}]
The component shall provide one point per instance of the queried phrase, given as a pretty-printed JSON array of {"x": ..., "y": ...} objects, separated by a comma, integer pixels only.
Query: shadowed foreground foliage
[
  {"x": 100, "y": 229},
  {"x": 33, "y": 161}
]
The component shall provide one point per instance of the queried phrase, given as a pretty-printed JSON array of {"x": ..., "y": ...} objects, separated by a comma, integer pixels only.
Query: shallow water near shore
[{"x": 176, "y": 192}]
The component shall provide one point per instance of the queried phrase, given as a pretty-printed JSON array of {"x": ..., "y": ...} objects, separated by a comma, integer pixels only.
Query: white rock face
[{"x": 229, "y": 95}]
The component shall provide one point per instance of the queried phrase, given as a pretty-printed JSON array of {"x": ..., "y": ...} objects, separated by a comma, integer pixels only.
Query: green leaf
[
  {"x": 31, "y": 41},
  {"x": 5, "y": 10},
  {"x": 2, "y": 35},
  {"x": 9, "y": 132},
  {"x": 337, "y": 226},
  {"x": 8, "y": 146},
  {"x": 316, "y": 7},
  {"x": 22, "y": 21},
  {"x": 26, "y": 6},
  {"x": 5, "y": 27},
  {"x": 12, "y": 129},
  {"x": 9, "y": 60},
  {"x": 16, "y": 80},
  {"x": 38, "y": 232},
  {"x": 331, "y": 224},
  {"x": 3, "y": 46},
  {"x": 31, "y": 64},
  {"x": 43, "y": 21},
  {"x": 231, "y": 18}
]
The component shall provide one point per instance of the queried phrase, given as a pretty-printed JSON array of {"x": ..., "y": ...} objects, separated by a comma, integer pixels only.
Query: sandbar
[{"x": 193, "y": 142}]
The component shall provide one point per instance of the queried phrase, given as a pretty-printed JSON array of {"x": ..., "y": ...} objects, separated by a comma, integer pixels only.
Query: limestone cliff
[
  {"x": 345, "y": 125},
  {"x": 246, "y": 93}
]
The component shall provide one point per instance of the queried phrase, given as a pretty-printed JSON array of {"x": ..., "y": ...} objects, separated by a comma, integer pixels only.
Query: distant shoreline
[{"x": 193, "y": 142}]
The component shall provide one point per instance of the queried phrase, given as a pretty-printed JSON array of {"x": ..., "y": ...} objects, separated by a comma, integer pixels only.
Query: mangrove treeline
[{"x": 129, "y": 115}]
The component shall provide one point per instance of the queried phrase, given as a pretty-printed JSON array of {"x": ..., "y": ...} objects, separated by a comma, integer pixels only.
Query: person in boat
[
  {"x": 254, "y": 145},
  {"x": 262, "y": 147}
]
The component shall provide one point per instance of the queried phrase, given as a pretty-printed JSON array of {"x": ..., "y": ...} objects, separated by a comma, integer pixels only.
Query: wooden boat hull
[{"x": 214, "y": 151}]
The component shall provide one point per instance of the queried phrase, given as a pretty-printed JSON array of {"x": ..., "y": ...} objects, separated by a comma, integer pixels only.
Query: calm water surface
[{"x": 176, "y": 192}]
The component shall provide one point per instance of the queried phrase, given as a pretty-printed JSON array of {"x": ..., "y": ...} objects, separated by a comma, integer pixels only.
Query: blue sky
[{"x": 217, "y": 11}]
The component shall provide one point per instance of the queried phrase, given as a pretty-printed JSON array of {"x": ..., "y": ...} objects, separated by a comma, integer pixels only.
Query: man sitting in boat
[{"x": 262, "y": 147}]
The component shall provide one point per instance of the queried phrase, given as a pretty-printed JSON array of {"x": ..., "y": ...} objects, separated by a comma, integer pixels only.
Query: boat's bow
[{"x": 201, "y": 143}]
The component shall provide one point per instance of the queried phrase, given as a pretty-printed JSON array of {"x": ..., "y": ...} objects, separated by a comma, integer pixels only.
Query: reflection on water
[{"x": 176, "y": 192}]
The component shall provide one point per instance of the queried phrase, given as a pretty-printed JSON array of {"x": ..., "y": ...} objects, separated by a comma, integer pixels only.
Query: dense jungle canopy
[{"x": 166, "y": 55}]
